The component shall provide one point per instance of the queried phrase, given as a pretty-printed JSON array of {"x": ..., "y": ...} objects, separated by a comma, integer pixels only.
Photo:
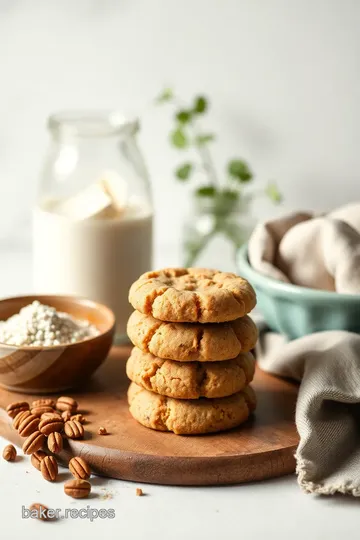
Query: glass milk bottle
[{"x": 92, "y": 224}]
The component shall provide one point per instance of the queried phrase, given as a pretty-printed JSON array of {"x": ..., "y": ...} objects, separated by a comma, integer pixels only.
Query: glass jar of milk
[{"x": 92, "y": 225}]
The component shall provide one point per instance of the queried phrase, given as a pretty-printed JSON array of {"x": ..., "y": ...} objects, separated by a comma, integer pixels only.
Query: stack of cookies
[{"x": 191, "y": 365}]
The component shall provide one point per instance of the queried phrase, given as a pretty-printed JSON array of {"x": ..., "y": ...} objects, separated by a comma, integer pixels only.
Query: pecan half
[
  {"x": 50, "y": 424},
  {"x": 79, "y": 468},
  {"x": 33, "y": 443},
  {"x": 19, "y": 417},
  {"x": 40, "y": 511},
  {"x": 78, "y": 489},
  {"x": 43, "y": 402},
  {"x": 51, "y": 415},
  {"x": 36, "y": 459},
  {"x": 66, "y": 415},
  {"x": 28, "y": 425},
  {"x": 55, "y": 442},
  {"x": 49, "y": 468},
  {"x": 79, "y": 418},
  {"x": 9, "y": 453},
  {"x": 41, "y": 409},
  {"x": 14, "y": 408},
  {"x": 65, "y": 403},
  {"x": 74, "y": 430}
]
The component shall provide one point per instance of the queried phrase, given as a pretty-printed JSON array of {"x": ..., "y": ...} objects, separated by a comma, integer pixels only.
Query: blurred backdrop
[{"x": 282, "y": 77}]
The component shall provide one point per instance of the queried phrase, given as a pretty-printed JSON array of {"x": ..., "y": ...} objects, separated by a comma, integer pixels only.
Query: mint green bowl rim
[{"x": 283, "y": 289}]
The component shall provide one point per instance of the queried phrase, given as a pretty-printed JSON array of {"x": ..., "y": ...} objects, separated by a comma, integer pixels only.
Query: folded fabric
[
  {"x": 327, "y": 365},
  {"x": 321, "y": 252},
  {"x": 350, "y": 213}
]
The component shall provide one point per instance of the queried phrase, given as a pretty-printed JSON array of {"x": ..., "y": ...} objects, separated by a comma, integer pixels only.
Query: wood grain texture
[{"x": 262, "y": 448}]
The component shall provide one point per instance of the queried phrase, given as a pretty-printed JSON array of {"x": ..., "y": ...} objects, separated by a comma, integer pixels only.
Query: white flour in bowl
[{"x": 39, "y": 325}]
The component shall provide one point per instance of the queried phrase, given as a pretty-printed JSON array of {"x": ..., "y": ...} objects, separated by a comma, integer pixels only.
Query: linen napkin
[
  {"x": 327, "y": 365},
  {"x": 321, "y": 252}
]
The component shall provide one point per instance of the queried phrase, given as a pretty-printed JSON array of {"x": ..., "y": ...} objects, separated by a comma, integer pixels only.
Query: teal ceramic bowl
[{"x": 298, "y": 311}]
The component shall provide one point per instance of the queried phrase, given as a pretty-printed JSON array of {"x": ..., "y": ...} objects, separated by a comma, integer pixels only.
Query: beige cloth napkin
[
  {"x": 327, "y": 365},
  {"x": 321, "y": 252}
]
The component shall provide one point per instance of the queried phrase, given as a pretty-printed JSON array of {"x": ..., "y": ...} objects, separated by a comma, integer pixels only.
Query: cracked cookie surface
[
  {"x": 188, "y": 342},
  {"x": 190, "y": 380},
  {"x": 190, "y": 417},
  {"x": 192, "y": 295}
]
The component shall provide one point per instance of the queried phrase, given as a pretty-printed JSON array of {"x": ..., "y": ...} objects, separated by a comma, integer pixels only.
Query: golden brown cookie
[
  {"x": 192, "y": 295},
  {"x": 190, "y": 417},
  {"x": 188, "y": 342},
  {"x": 190, "y": 380}
]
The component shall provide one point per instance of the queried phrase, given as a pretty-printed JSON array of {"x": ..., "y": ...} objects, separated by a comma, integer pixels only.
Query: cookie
[
  {"x": 190, "y": 417},
  {"x": 192, "y": 295},
  {"x": 190, "y": 380},
  {"x": 188, "y": 342}
]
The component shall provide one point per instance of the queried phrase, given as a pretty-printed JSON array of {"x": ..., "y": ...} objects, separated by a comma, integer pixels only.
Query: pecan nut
[
  {"x": 28, "y": 425},
  {"x": 55, "y": 442},
  {"x": 74, "y": 430},
  {"x": 66, "y": 415},
  {"x": 49, "y": 468},
  {"x": 9, "y": 453},
  {"x": 19, "y": 417},
  {"x": 50, "y": 424},
  {"x": 36, "y": 459},
  {"x": 79, "y": 468},
  {"x": 43, "y": 402},
  {"x": 33, "y": 443},
  {"x": 51, "y": 415},
  {"x": 41, "y": 409},
  {"x": 77, "y": 489},
  {"x": 40, "y": 511},
  {"x": 65, "y": 403},
  {"x": 14, "y": 408},
  {"x": 79, "y": 418}
]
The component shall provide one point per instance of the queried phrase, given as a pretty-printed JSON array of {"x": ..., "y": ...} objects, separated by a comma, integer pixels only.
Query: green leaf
[
  {"x": 184, "y": 116},
  {"x": 226, "y": 201},
  {"x": 178, "y": 138},
  {"x": 206, "y": 191},
  {"x": 204, "y": 138},
  {"x": 200, "y": 105},
  {"x": 239, "y": 169},
  {"x": 273, "y": 193},
  {"x": 230, "y": 194},
  {"x": 166, "y": 95},
  {"x": 184, "y": 171}
]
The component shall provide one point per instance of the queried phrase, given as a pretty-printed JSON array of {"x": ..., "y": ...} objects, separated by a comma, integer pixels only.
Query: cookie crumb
[
  {"x": 102, "y": 431},
  {"x": 106, "y": 496},
  {"x": 139, "y": 492}
]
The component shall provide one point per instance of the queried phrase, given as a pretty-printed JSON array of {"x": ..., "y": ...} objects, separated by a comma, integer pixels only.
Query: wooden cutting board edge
[{"x": 265, "y": 459}]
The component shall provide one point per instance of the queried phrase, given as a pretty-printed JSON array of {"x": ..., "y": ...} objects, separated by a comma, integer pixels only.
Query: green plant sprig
[{"x": 186, "y": 134}]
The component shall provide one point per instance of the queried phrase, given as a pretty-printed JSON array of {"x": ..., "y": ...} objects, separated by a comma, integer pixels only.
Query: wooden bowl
[{"x": 53, "y": 369}]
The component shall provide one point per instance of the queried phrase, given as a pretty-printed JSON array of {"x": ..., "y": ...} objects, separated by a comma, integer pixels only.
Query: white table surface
[{"x": 272, "y": 509}]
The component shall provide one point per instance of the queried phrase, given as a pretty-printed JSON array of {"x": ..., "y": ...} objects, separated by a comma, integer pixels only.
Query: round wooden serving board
[{"x": 262, "y": 448}]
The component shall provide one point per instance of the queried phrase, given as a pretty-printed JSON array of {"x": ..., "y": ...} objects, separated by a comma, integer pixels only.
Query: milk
[{"x": 95, "y": 258}]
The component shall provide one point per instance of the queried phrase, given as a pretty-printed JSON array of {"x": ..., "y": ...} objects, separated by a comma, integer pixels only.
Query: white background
[
  {"x": 272, "y": 510},
  {"x": 283, "y": 76}
]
